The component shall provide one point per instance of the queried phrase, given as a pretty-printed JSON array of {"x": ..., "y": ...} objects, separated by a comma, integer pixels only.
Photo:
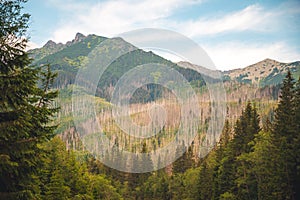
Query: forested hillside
[{"x": 43, "y": 154}]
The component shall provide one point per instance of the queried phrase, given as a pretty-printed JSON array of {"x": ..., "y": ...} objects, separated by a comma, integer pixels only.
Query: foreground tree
[
  {"x": 297, "y": 138},
  {"x": 25, "y": 108},
  {"x": 234, "y": 176},
  {"x": 285, "y": 135},
  {"x": 275, "y": 159}
]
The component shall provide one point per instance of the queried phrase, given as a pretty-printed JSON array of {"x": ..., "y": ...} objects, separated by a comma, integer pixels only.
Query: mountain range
[{"x": 67, "y": 58}]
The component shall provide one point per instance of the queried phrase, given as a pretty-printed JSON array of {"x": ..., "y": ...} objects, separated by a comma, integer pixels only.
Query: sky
[{"x": 234, "y": 33}]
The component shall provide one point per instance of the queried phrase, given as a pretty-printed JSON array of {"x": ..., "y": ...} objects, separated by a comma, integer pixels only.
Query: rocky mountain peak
[
  {"x": 265, "y": 72},
  {"x": 50, "y": 44},
  {"x": 79, "y": 37}
]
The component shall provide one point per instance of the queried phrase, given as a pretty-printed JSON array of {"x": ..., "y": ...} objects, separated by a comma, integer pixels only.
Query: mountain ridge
[
  {"x": 79, "y": 37},
  {"x": 74, "y": 52},
  {"x": 262, "y": 73}
]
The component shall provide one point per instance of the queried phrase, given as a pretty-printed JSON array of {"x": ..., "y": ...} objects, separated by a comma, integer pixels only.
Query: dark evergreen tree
[
  {"x": 56, "y": 189},
  {"x": 205, "y": 182},
  {"x": 284, "y": 136},
  {"x": 146, "y": 164},
  {"x": 284, "y": 114},
  {"x": 179, "y": 164},
  {"x": 220, "y": 153},
  {"x": 146, "y": 161},
  {"x": 156, "y": 187},
  {"x": 25, "y": 108},
  {"x": 297, "y": 139},
  {"x": 234, "y": 175},
  {"x": 133, "y": 177},
  {"x": 246, "y": 130},
  {"x": 265, "y": 167},
  {"x": 226, "y": 173},
  {"x": 185, "y": 160},
  {"x": 176, "y": 186},
  {"x": 246, "y": 127}
]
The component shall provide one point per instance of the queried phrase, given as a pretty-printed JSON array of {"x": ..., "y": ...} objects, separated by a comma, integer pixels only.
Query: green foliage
[
  {"x": 67, "y": 59},
  {"x": 285, "y": 136},
  {"x": 56, "y": 188},
  {"x": 248, "y": 163},
  {"x": 227, "y": 196},
  {"x": 25, "y": 109},
  {"x": 185, "y": 160},
  {"x": 233, "y": 172},
  {"x": 156, "y": 187},
  {"x": 63, "y": 176},
  {"x": 263, "y": 158}
]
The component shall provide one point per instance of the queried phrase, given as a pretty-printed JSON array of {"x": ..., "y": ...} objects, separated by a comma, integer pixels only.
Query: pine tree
[
  {"x": 234, "y": 175},
  {"x": 284, "y": 134},
  {"x": 146, "y": 164},
  {"x": 226, "y": 172},
  {"x": 185, "y": 160},
  {"x": 297, "y": 138},
  {"x": 220, "y": 153},
  {"x": 178, "y": 165},
  {"x": 205, "y": 181},
  {"x": 25, "y": 108},
  {"x": 57, "y": 189},
  {"x": 284, "y": 123},
  {"x": 263, "y": 159},
  {"x": 246, "y": 130},
  {"x": 246, "y": 127},
  {"x": 297, "y": 106},
  {"x": 146, "y": 161}
]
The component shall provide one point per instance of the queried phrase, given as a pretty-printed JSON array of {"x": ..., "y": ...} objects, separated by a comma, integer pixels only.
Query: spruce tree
[
  {"x": 205, "y": 183},
  {"x": 57, "y": 189},
  {"x": 297, "y": 138},
  {"x": 220, "y": 153},
  {"x": 284, "y": 136},
  {"x": 185, "y": 160},
  {"x": 265, "y": 167},
  {"x": 284, "y": 124},
  {"x": 25, "y": 108},
  {"x": 245, "y": 131},
  {"x": 234, "y": 175},
  {"x": 246, "y": 127}
]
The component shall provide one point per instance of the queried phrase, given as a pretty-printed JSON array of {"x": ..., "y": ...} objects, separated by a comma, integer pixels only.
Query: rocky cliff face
[{"x": 78, "y": 38}]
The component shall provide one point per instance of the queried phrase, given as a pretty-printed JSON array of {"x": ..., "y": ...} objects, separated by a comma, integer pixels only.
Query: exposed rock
[
  {"x": 50, "y": 44},
  {"x": 78, "y": 37},
  {"x": 258, "y": 72}
]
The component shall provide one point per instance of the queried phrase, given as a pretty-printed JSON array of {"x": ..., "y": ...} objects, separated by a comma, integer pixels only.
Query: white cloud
[
  {"x": 231, "y": 55},
  {"x": 110, "y": 18},
  {"x": 31, "y": 45},
  {"x": 113, "y": 17},
  {"x": 252, "y": 17}
]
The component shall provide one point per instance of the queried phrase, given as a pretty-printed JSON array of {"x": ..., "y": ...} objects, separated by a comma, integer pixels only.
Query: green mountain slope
[{"x": 67, "y": 60}]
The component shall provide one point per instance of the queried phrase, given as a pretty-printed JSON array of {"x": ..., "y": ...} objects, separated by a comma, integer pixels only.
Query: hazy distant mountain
[
  {"x": 266, "y": 72},
  {"x": 263, "y": 73}
]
